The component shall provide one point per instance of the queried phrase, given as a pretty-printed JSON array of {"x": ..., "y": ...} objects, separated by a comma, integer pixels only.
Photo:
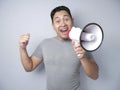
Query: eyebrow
[{"x": 64, "y": 16}]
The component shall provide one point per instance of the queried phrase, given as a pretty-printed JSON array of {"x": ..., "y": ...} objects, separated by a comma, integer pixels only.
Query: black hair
[{"x": 59, "y": 8}]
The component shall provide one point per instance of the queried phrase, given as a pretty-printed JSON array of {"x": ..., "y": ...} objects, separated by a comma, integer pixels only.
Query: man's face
[{"x": 61, "y": 23}]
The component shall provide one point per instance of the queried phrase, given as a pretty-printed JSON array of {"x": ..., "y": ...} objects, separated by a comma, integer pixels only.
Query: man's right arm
[{"x": 29, "y": 63}]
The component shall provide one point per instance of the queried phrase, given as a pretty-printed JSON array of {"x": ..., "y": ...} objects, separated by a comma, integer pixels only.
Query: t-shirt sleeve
[{"x": 38, "y": 52}]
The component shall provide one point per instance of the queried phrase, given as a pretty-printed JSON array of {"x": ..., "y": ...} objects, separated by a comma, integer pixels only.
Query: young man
[{"x": 59, "y": 54}]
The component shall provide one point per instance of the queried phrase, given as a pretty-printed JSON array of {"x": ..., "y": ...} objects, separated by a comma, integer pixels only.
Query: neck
[{"x": 62, "y": 39}]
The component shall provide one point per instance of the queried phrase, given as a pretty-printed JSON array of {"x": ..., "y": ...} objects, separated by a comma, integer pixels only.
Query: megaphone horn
[{"x": 90, "y": 37}]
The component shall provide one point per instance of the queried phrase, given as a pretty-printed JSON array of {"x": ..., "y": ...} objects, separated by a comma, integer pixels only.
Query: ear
[
  {"x": 53, "y": 25},
  {"x": 73, "y": 21}
]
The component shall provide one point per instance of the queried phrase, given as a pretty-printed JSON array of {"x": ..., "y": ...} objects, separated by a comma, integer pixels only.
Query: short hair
[{"x": 59, "y": 8}]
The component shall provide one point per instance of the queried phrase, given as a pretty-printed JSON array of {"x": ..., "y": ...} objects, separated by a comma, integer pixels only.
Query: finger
[
  {"x": 28, "y": 35},
  {"x": 23, "y": 41},
  {"x": 82, "y": 52},
  {"x": 73, "y": 42},
  {"x": 77, "y": 44},
  {"x": 78, "y": 48},
  {"x": 24, "y": 38}
]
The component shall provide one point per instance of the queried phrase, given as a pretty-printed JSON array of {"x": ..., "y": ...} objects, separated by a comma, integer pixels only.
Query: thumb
[
  {"x": 28, "y": 34},
  {"x": 73, "y": 42}
]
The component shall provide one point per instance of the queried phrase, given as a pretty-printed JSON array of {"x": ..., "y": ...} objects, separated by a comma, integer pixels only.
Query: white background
[{"x": 18, "y": 17}]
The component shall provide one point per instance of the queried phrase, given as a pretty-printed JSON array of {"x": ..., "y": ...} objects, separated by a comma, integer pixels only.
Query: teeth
[
  {"x": 63, "y": 29},
  {"x": 64, "y": 32}
]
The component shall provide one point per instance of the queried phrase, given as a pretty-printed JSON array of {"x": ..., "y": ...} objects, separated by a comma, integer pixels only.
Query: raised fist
[{"x": 23, "y": 41}]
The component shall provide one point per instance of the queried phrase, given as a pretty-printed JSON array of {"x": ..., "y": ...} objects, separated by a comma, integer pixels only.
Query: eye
[
  {"x": 57, "y": 21},
  {"x": 67, "y": 19}
]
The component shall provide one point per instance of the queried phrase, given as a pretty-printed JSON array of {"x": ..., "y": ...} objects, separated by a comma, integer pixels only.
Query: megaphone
[{"x": 90, "y": 37}]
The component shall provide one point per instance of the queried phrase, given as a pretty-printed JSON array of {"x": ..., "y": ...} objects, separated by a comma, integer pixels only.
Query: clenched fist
[
  {"x": 23, "y": 41},
  {"x": 78, "y": 49}
]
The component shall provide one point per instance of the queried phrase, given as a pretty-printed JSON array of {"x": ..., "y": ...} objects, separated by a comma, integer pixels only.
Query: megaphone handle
[{"x": 79, "y": 55}]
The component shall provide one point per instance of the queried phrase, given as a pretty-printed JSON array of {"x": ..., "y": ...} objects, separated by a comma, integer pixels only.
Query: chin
[{"x": 65, "y": 38}]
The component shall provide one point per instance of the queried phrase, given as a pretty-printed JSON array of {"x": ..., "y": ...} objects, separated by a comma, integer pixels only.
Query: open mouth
[{"x": 64, "y": 30}]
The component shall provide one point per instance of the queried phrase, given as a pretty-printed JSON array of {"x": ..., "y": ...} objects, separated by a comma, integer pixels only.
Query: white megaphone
[{"x": 90, "y": 37}]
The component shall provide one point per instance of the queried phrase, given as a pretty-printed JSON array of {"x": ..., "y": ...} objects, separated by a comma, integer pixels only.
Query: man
[{"x": 59, "y": 54}]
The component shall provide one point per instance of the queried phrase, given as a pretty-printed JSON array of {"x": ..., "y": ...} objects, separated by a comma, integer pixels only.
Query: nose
[{"x": 63, "y": 23}]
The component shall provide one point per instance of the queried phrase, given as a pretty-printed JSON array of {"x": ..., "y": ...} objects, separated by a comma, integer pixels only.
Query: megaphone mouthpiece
[{"x": 74, "y": 33}]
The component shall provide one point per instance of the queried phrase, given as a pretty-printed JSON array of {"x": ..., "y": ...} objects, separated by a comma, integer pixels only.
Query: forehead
[{"x": 61, "y": 13}]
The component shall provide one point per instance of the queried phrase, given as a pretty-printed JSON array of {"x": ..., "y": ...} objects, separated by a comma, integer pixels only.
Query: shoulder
[{"x": 47, "y": 41}]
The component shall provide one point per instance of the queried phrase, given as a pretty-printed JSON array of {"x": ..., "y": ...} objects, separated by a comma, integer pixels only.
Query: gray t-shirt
[{"x": 61, "y": 64}]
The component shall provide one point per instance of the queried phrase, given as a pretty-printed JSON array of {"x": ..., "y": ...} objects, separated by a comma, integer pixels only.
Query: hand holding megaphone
[
  {"x": 90, "y": 37},
  {"x": 78, "y": 49}
]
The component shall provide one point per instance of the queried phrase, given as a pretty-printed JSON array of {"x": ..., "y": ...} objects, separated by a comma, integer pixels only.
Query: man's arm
[
  {"x": 29, "y": 63},
  {"x": 89, "y": 65}
]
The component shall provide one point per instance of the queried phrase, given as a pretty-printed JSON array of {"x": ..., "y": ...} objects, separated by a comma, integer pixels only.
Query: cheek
[
  {"x": 71, "y": 23},
  {"x": 55, "y": 28},
  {"x": 55, "y": 25}
]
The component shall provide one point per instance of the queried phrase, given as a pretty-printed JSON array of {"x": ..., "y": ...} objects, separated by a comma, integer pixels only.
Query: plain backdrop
[{"x": 19, "y": 17}]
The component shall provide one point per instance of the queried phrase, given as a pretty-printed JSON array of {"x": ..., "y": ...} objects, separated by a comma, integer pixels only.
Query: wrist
[
  {"x": 22, "y": 49},
  {"x": 83, "y": 57}
]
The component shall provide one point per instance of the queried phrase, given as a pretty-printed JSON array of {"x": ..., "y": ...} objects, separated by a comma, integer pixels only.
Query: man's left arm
[{"x": 89, "y": 65}]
